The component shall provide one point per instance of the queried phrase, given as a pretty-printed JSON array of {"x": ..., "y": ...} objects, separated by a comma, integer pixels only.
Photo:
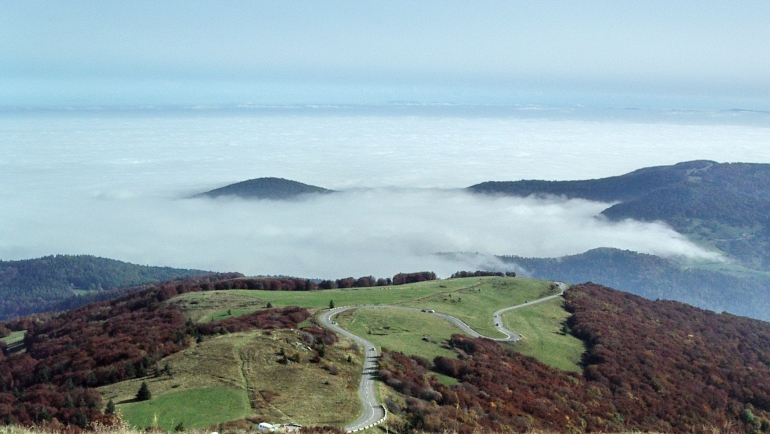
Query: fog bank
[{"x": 354, "y": 233}]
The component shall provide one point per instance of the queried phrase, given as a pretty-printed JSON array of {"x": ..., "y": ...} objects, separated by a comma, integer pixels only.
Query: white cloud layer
[
  {"x": 111, "y": 183},
  {"x": 359, "y": 232}
]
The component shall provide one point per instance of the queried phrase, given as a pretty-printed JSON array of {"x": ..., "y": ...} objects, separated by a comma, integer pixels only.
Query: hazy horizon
[
  {"x": 112, "y": 113},
  {"x": 115, "y": 184},
  {"x": 656, "y": 54}
]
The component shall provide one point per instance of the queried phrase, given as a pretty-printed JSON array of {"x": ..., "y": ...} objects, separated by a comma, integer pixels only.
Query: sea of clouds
[{"x": 117, "y": 184}]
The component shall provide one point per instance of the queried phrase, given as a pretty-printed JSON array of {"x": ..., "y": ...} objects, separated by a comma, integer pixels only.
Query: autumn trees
[
  {"x": 650, "y": 366},
  {"x": 68, "y": 355}
]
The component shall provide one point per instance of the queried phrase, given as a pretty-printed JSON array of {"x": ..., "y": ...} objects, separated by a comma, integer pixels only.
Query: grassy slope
[
  {"x": 198, "y": 408},
  {"x": 472, "y": 300},
  {"x": 210, "y": 305},
  {"x": 541, "y": 327},
  {"x": 242, "y": 369},
  {"x": 14, "y": 337},
  {"x": 400, "y": 330},
  {"x": 213, "y": 366}
]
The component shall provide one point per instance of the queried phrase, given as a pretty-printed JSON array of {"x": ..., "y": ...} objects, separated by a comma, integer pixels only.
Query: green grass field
[
  {"x": 481, "y": 297},
  {"x": 246, "y": 366},
  {"x": 472, "y": 299},
  {"x": 229, "y": 313},
  {"x": 14, "y": 337},
  {"x": 198, "y": 408},
  {"x": 400, "y": 330},
  {"x": 541, "y": 327}
]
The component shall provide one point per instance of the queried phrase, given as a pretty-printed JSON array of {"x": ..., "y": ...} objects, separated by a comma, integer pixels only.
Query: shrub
[{"x": 144, "y": 393}]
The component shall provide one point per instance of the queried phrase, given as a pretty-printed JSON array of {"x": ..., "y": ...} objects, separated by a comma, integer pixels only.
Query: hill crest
[{"x": 266, "y": 188}]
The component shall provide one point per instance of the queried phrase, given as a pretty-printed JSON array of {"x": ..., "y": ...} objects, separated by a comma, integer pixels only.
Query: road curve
[
  {"x": 512, "y": 336},
  {"x": 373, "y": 411}
]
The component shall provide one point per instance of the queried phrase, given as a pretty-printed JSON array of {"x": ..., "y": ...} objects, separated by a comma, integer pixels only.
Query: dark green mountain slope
[
  {"x": 53, "y": 282},
  {"x": 266, "y": 188},
  {"x": 654, "y": 277},
  {"x": 617, "y": 188},
  {"x": 722, "y": 205}
]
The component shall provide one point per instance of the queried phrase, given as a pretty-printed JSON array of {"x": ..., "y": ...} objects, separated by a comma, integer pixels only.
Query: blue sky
[{"x": 686, "y": 54}]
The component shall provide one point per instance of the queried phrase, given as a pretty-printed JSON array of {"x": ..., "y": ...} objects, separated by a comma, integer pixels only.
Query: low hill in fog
[{"x": 266, "y": 188}]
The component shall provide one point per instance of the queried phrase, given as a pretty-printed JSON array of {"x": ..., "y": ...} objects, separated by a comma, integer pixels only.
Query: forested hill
[
  {"x": 266, "y": 188},
  {"x": 649, "y": 367},
  {"x": 725, "y": 205},
  {"x": 616, "y": 188},
  {"x": 654, "y": 277},
  {"x": 63, "y": 281}
]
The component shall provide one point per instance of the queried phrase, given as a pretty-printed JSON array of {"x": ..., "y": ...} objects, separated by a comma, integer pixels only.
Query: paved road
[
  {"x": 512, "y": 336},
  {"x": 373, "y": 411}
]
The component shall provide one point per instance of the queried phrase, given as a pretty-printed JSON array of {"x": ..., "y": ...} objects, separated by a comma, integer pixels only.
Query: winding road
[{"x": 374, "y": 412}]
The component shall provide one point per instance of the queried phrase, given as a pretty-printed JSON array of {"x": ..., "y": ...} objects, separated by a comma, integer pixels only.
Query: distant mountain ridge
[
  {"x": 723, "y": 205},
  {"x": 616, "y": 188},
  {"x": 266, "y": 188},
  {"x": 654, "y": 277},
  {"x": 66, "y": 281}
]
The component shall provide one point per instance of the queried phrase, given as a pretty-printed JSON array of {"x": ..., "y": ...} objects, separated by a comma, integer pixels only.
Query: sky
[{"x": 660, "y": 54}]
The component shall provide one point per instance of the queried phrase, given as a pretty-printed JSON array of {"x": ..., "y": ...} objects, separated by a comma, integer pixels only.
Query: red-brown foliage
[
  {"x": 321, "y": 430},
  {"x": 284, "y": 318},
  {"x": 651, "y": 366},
  {"x": 106, "y": 342},
  {"x": 404, "y": 278}
]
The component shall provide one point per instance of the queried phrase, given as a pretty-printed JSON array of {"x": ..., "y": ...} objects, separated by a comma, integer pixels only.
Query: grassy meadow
[
  {"x": 13, "y": 337},
  {"x": 541, "y": 326},
  {"x": 472, "y": 299},
  {"x": 400, "y": 330},
  {"x": 196, "y": 408},
  {"x": 239, "y": 375}
]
